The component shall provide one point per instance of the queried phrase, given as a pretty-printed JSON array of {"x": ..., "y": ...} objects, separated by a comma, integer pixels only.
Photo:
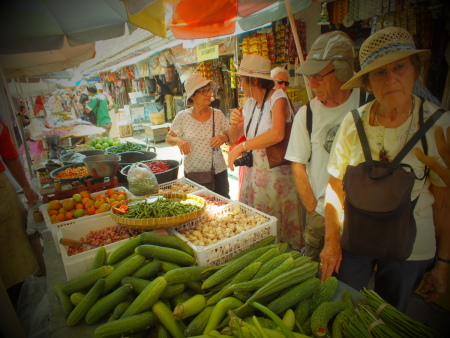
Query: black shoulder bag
[{"x": 378, "y": 211}]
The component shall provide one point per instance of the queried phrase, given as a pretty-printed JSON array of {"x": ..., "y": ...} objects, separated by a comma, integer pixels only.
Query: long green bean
[{"x": 161, "y": 208}]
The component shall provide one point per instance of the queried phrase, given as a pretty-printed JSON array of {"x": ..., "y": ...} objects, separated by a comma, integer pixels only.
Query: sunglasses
[
  {"x": 204, "y": 91},
  {"x": 280, "y": 82}
]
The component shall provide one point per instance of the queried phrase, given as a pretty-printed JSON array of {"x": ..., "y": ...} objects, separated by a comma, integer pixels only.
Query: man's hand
[
  {"x": 330, "y": 258},
  {"x": 443, "y": 148},
  {"x": 435, "y": 282}
]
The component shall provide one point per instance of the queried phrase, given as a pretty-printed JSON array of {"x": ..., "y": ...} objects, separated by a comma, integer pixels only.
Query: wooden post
[{"x": 297, "y": 45}]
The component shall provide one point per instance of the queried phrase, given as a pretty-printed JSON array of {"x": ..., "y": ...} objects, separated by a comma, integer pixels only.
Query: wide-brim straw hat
[
  {"x": 383, "y": 47},
  {"x": 196, "y": 81},
  {"x": 255, "y": 66}
]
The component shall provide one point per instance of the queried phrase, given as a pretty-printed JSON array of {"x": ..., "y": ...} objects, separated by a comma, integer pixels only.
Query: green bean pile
[
  {"x": 127, "y": 146},
  {"x": 161, "y": 208}
]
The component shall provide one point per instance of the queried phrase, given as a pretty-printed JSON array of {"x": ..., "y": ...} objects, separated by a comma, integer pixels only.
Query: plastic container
[
  {"x": 157, "y": 118},
  {"x": 221, "y": 251},
  {"x": 182, "y": 185},
  {"x": 214, "y": 202},
  {"x": 54, "y": 227},
  {"x": 78, "y": 264}
]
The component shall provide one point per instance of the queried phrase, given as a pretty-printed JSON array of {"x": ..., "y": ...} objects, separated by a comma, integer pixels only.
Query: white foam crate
[
  {"x": 210, "y": 195},
  {"x": 53, "y": 227},
  {"x": 183, "y": 180},
  {"x": 80, "y": 263},
  {"x": 221, "y": 251}
]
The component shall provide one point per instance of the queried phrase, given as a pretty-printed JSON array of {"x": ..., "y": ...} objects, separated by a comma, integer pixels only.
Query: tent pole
[
  {"x": 297, "y": 45},
  {"x": 24, "y": 140}
]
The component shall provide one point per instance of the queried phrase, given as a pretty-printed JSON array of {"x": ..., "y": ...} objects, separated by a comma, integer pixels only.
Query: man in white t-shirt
[{"x": 328, "y": 66}]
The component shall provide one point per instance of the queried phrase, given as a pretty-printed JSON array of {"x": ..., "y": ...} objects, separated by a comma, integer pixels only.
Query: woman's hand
[
  {"x": 236, "y": 116},
  {"x": 217, "y": 141},
  {"x": 184, "y": 147},
  {"x": 234, "y": 154},
  {"x": 435, "y": 282}
]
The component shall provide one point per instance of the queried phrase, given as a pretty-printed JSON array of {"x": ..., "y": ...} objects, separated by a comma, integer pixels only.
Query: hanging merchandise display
[
  {"x": 259, "y": 44},
  {"x": 324, "y": 19},
  {"x": 290, "y": 49},
  {"x": 280, "y": 38},
  {"x": 232, "y": 74}
]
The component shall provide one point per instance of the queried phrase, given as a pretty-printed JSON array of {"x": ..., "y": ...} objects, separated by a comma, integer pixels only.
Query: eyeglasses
[
  {"x": 398, "y": 70},
  {"x": 280, "y": 82},
  {"x": 319, "y": 77},
  {"x": 204, "y": 91}
]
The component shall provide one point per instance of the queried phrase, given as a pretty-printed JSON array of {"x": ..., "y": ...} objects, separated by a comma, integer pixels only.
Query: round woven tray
[{"x": 162, "y": 222}]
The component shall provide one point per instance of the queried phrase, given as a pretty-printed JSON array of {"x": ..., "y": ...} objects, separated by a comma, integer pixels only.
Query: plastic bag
[{"x": 141, "y": 180}]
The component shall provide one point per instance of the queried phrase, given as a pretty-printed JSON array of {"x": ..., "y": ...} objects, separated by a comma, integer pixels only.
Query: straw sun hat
[
  {"x": 383, "y": 47},
  {"x": 255, "y": 66},
  {"x": 196, "y": 81}
]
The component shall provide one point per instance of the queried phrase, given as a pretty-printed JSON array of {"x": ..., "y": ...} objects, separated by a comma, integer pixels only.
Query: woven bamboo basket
[{"x": 162, "y": 222}]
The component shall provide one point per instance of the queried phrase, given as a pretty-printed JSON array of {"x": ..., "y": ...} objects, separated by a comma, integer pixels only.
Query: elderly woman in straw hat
[
  {"x": 262, "y": 121},
  {"x": 199, "y": 132},
  {"x": 390, "y": 63}
]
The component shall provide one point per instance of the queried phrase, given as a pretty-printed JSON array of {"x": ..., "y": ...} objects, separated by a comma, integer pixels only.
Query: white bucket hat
[
  {"x": 255, "y": 66},
  {"x": 196, "y": 81},
  {"x": 383, "y": 47}
]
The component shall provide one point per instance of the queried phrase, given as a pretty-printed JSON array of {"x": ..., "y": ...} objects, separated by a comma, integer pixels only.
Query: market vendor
[
  {"x": 17, "y": 259},
  {"x": 98, "y": 105}
]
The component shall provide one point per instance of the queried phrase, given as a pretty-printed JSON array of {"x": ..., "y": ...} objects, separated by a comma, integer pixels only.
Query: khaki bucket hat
[
  {"x": 255, "y": 66},
  {"x": 383, "y": 47},
  {"x": 196, "y": 81}
]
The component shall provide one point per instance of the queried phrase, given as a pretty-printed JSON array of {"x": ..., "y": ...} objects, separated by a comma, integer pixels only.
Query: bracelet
[
  {"x": 443, "y": 260},
  {"x": 244, "y": 146},
  {"x": 228, "y": 137}
]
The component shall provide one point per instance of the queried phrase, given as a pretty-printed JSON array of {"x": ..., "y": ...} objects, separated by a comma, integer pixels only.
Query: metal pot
[
  {"x": 67, "y": 158},
  {"x": 102, "y": 165}
]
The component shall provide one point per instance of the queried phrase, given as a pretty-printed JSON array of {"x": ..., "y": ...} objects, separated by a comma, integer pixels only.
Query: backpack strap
[
  {"x": 362, "y": 135},
  {"x": 419, "y": 135},
  {"x": 309, "y": 119}
]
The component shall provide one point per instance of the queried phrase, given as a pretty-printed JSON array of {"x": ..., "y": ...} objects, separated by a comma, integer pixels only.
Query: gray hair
[{"x": 277, "y": 70}]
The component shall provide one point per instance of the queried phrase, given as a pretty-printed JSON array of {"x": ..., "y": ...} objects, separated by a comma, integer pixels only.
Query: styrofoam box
[
  {"x": 216, "y": 197},
  {"x": 80, "y": 263},
  {"x": 221, "y": 251},
  {"x": 182, "y": 180},
  {"x": 53, "y": 227}
]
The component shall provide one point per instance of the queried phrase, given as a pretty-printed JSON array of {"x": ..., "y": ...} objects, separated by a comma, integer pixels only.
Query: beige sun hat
[
  {"x": 383, "y": 47},
  {"x": 255, "y": 66},
  {"x": 196, "y": 81}
]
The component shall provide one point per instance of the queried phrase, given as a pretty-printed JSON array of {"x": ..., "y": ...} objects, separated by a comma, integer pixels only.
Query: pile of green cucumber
[{"x": 151, "y": 287}]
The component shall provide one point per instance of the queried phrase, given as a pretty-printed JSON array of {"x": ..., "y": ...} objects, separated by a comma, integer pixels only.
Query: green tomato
[
  {"x": 98, "y": 146},
  {"x": 91, "y": 148},
  {"x": 105, "y": 145},
  {"x": 116, "y": 143}
]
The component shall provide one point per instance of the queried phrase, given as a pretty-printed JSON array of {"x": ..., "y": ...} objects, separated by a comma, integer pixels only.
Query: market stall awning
[
  {"x": 197, "y": 19},
  {"x": 38, "y": 63},
  {"x": 42, "y": 25}
]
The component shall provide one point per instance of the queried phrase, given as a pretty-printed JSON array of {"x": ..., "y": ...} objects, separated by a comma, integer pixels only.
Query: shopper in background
[
  {"x": 56, "y": 102},
  {"x": 17, "y": 259},
  {"x": 165, "y": 95},
  {"x": 192, "y": 132},
  {"x": 100, "y": 90},
  {"x": 39, "y": 105},
  {"x": 98, "y": 106},
  {"x": 390, "y": 64},
  {"x": 83, "y": 97},
  {"x": 281, "y": 76},
  {"x": 262, "y": 121},
  {"x": 328, "y": 66}
]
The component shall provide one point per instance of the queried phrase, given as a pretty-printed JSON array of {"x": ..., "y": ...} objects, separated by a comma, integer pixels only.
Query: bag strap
[
  {"x": 419, "y": 135},
  {"x": 260, "y": 114},
  {"x": 214, "y": 134},
  {"x": 362, "y": 135}
]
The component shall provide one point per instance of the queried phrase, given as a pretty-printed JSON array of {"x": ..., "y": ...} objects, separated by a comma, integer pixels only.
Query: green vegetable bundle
[
  {"x": 127, "y": 146},
  {"x": 161, "y": 208}
]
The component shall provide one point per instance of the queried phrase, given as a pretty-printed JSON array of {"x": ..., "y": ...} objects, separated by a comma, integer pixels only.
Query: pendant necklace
[{"x": 383, "y": 152}]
